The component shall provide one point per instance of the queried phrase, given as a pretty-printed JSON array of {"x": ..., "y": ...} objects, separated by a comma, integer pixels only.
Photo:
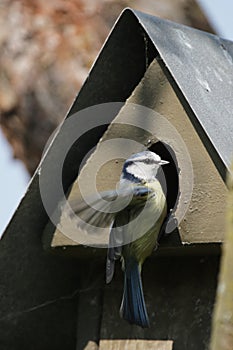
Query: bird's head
[{"x": 142, "y": 167}]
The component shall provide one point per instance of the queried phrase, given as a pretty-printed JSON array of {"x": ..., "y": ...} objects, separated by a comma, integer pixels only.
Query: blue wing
[{"x": 116, "y": 238}]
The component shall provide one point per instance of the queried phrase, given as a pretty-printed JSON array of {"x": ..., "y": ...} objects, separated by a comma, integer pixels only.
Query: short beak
[{"x": 163, "y": 162}]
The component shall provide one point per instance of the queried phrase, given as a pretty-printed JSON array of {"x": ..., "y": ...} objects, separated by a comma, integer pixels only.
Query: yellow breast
[{"x": 149, "y": 224}]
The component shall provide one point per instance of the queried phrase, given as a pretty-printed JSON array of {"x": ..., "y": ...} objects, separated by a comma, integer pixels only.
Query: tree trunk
[
  {"x": 222, "y": 328},
  {"x": 47, "y": 49}
]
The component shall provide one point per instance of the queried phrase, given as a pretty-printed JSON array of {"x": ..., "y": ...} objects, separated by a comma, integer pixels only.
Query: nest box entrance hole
[{"x": 169, "y": 177}]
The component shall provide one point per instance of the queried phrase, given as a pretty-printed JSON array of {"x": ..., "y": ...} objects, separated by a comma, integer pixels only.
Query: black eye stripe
[{"x": 145, "y": 161}]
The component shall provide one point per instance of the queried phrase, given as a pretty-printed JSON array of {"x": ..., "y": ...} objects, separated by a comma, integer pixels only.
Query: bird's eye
[{"x": 148, "y": 161}]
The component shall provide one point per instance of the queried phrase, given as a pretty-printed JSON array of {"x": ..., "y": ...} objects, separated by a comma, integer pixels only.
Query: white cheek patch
[{"x": 142, "y": 170}]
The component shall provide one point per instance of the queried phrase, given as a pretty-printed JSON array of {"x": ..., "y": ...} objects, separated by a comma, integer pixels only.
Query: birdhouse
[{"x": 155, "y": 85}]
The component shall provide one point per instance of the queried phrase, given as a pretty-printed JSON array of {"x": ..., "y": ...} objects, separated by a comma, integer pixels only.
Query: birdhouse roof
[{"x": 201, "y": 65}]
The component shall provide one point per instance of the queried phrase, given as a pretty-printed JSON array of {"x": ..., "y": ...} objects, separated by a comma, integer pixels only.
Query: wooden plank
[
  {"x": 133, "y": 344},
  {"x": 91, "y": 345}
]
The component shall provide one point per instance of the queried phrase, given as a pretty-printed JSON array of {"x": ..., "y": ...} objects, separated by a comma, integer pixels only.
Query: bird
[{"x": 135, "y": 212}]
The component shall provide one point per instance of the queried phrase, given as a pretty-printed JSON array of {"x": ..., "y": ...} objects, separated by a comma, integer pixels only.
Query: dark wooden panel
[{"x": 179, "y": 293}]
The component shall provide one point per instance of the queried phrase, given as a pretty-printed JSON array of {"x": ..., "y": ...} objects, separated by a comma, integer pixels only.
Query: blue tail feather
[{"x": 133, "y": 307}]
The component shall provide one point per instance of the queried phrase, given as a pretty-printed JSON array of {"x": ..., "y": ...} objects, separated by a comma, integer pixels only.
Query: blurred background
[{"x": 47, "y": 50}]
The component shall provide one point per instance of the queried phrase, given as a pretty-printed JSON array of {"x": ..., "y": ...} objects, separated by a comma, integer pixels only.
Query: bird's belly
[
  {"x": 144, "y": 246},
  {"x": 140, "y": 248}
]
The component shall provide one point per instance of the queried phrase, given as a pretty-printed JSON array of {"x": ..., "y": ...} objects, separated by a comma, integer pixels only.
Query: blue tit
[
  {"x": 141, "y": 170},
  {"x": 135, "y": 227}
]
